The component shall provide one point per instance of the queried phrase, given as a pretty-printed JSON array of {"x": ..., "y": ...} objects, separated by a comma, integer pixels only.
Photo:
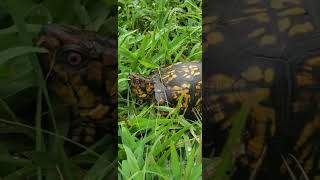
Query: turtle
[
  {"x": 166, "y": 85},
  {"x": 81, "y": 71},
  {"x": 265, "y": 56}
]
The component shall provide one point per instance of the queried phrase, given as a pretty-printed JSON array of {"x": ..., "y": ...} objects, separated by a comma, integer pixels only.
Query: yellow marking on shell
[
  {"x": 262, "y": 17},
  {"x": 166, "y": 76},
  {"x": 256, "y": 32},
  {"x": 280, "y": 4},
  {"x": 185, "y": 70},
  {"x": 209, "y": 19},
  {"x": 185, "y": 100},
  {"x": 267, "y": 40},
  {"x": 304, "y": 79},
  {"x": 253, "y": 73},
  {"x": 215, "y": 38},
  {"x": 284, "y": 24},
  {"x": 176, "y": 88},
  {"x": 254, "y": 10},
  {"x": 193, "y": 66},
  {"x": 301, "y": 29},
  {"x": 197, "y": 73},
  {"x": 195, "y": 69},
  {"x": 172, "y": 77},
  {"x": 269, "y": 75},
  {"x": 315, "y": 61},
  {"x": 220, "y": 81},
  {"x": 292, "y": 12},
  {"x": 308, "y": 131},
  {"x": 185, "y": 85}
]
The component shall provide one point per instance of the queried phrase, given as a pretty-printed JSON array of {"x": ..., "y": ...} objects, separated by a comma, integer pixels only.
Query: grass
[
  {"x": 33, "y": 127},
  {"x": 153, "y": 35}
]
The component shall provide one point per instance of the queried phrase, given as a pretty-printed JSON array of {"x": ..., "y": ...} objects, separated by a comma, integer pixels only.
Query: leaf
[
  {"x": 17, "y": 84},
  {"x": 133, "y": 164},
  {"x": 175, "y": 163},
  {"x": 147, "y": 64},
  {"x": 233, "y": 141},
  {"x": 10, "y": 53},
  {"x": 43, "y": 159},
  {"x": 173, "y": 138},
  {"x": 127, "y": 139},
  {"x": 34, "y": 28},
  {"x": 102, "y": 167}
]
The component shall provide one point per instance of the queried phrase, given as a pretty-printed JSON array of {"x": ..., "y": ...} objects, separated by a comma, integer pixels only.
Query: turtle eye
[
  {"x": 74, "y": 58},
  {"x": 136, "y": 81}
]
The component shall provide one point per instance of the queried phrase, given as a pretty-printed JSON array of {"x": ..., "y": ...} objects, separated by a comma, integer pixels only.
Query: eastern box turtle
[
  {"x": 264, "y": 55},
  {"x": 81, "y": 69},
  {"x": 166, "y": 85}
]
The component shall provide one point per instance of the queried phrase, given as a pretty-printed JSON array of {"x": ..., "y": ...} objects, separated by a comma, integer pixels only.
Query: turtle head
[{"x": 141, "y": 86}]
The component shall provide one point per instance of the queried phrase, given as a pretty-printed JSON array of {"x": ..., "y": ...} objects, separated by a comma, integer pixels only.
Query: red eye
[{"x": 74, "y": 58}]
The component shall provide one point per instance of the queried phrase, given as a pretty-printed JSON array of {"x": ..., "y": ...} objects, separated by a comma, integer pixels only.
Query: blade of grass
[
  {"x": 8, "y": 109},
  {"x": 51, "y": 134},
  {"x": 223, "y": 169},
  {"x": 39, "y": 142}
]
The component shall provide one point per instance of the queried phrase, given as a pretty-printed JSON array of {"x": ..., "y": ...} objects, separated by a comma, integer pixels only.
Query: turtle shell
[
  {"x": 183, "y": 79},
  {"x": 264, "y": 55}
]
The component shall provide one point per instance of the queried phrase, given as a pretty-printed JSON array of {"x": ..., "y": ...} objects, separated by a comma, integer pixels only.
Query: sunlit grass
[{"x": 152, "y": 35}]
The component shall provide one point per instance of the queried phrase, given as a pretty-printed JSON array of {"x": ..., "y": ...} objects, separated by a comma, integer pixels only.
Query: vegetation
[
  {"x": 33, "y": 128},
  {"x": 152, "y": 35}
]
